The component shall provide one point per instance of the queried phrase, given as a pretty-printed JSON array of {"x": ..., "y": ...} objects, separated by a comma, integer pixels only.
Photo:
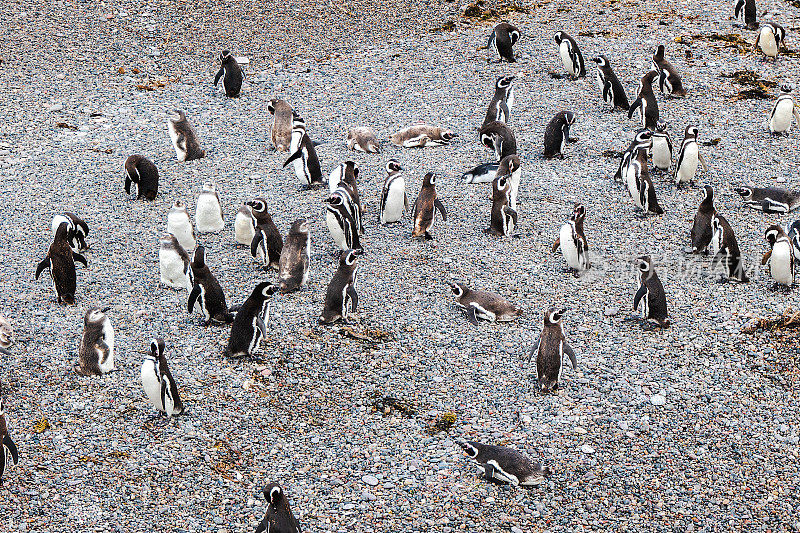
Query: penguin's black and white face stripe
[
  {"x": 644, "y": 263},
  {"x": 601, "y": 61},
  {"x": 745, "y": 192},
  {"x": 268, "y": 290},
  {"x": 778, "y": 31},
  {"x": 772, "y": 235},
  {"x": 691, "y": 131},
  {"x": 579, "y": 212},
  {"x": 559, "y": 36},
  {"x": 469, "y": 449},
  {"x": 661, "y": 126},
  {"x": 554, "y": 315},
  {"x": 350, "y": 257},
  {"x": 504, "y": 82},
  {"x": 457, "y": 288},
  {"x": 225, "y": 54},
  {"x": 258, "y": 206},
  {"x": 392, "y": 165},
  {"x": 275, "y": 495},
  {"x": 156, "y": 348},
  {"x": 570, "y": 118}
]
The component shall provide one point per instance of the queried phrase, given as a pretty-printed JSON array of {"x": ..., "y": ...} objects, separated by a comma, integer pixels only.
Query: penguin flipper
[
  {"x": 533, "y": 350},
  {"x": 218, "y": 76},
  {"x": 257, "y": 238},
  {"x": 262, "y": 327},
  {"x": 440, "y": 207},
  {"x": 641, "y": 293},
  {"x": 45, "y": 263},
  {"x": 12, "y": 448},
  {"x": 473, "y": 318},
  {"x": 2, "y": 464},
  {"x": 193, "y": 298},
  {"x": 571, "y": 354},
  {"x": 80, "y": 259},
  {"x": 766, "y": 257},
  {"x": 556, "y": 245},
  {"x": 180, "y": 142},
  {"x": 606, "y": 90},
  {"x": 636, "y": 104},
  {"x": 167, "y": 401},
  {"x": 702, "y": 161},
  {"x": 127, "y": 184},
  {"x": 298, "y": 154},
  {"x": 353, "y": 295}
]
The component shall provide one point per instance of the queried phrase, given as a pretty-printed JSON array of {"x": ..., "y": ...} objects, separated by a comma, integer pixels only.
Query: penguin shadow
[{"x": 646, "y": 324}]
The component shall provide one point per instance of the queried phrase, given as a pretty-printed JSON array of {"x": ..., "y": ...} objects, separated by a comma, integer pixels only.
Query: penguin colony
[{"x": 184, "y": 264}]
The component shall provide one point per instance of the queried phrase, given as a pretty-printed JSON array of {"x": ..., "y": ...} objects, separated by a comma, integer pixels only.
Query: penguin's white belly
[
  {"x": 172, "y": 270},
  {"x": 509, "y": 101},
  {"x": 780, "y": 263},
  {"x": 182, "y": 229},
  {"x": 243, "y": 229},
  {"x": 516, "y": 177},
  {"x": 395, "y": 202},
  {"x": 563, "y": 51},
  {"x": 601, "y": 85},
  {"x": 307, "y": 259},
  {"x": 630, "y": 181},
  {"x": 208, "y": 216},
  {"x": 336, "y": 230},
  {"x": 150, "y": 384},
  {"x": 662, "y": 157},
  {"x": 688, "y": 167},
  {"x": 716, "y": 242},
  {"x": 335, "y": 178},
  {"x": 767, "y": 42},
  {"x": 568, "y": 247},
  {"x": 780, "y": 122},
  {"x": 173, "y": 135},
  {"x": 108, "y": 338}
]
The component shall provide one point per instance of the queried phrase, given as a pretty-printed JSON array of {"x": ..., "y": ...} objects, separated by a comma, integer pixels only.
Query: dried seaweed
[
  {"x": 444, "y": 422},
  {"x": 789, "y": 319},
  {"x": 727, "y": 40},
  {"x": 386, "y": 404},
  {"x": 759, "y": 86},
  {"x": 478, "y": 10}
]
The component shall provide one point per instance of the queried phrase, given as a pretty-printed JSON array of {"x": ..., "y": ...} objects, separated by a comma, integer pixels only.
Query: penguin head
[
  {"x": 714, "y": 223},
  {"x": 273, "y": 493},
  {"x": 469, "y": 447},
  {"x": 659, "y": 53},
  {"x": 209, "y": 186},
  {"x": 448, "y": 135},
  {"x": 459, "y": 289},
  {"x": 265, "y": 289},
  {"x": 661, "y": 126},
  {"x": 559, "y": 36},
  {"x": 500, "y": 183},
  {"x": 647, "y": 79},
  {"x": 773, "y": 233},
  {"x": 259, "y": 205},
  {"x": 708, "y": 193},
  {"x": 95, "y": 315},
  {"x": 786, "y": 88},
  {"x": 691, "y": 131},
  {"x": 745, "y": 192},
  {"x": 504, "y": 81},
  {"x": 300, "y": 225},
  {"x": 350, "y": 164},
  {"x": 157, "y": 348},
  {"x": 602, "y": 61},
  {"x": 579, "y": 212},
  {"x": 393, "y": 165},
  {"x": 199, "y": 257},
  {"x": 644, "y": 138},
  {"x": 224, "y": 55},
  {"x": 554, "y": 315},
  {"x": 779, "y": 32},
  {"x": 178, "y": 206},
  {"x": 335, "y": 200},
  {"x": 177, "y": 115},
  {"x": 429, "y": 180},
  {"x": 569, "y": 117},
  {"x": 349, "y": 257},
  {"x": 509, "y": 164},
  {"x": 644, "y": 263}
]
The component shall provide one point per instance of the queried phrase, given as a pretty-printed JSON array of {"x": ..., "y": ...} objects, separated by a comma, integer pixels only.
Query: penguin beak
[{"x": 563, "y": 311}]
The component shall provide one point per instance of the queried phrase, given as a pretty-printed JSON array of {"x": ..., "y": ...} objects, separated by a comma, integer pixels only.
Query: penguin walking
[
  {"x": 688, "y": 158},
  {"x": 746, "y": 10},
  {"x": 769, "y": 199},
  {"x": 482, "y": 305},
  {"x": 646, "y": 102},
  {"x": 784, "y": 110},
  {"x": 498, "y": 136},
  {"x": 295, "y": 257},
  {"x": 231, "y": 74},
  {"x": 669, "y": 81},
  {"x": 207, "y": 293},
  {"x": 249, "y": 325},
  {"x": 304, "y": 156},
  {"x": 341, "y": 214},
  {"x": 701, "y": 227},
  {"x": 425, "y": 206},
  {"x": 611, "y": 89},
  {"x": 157, "y": 381},
  {"x": 502, "y": 40},
  {"x": 96, "y": 350},
  {"x": 502, "y": 101},
  {"x": 180, "y": 225},
  {"x": 572, "y": 241},
  {"x": 6, "y": 335},
  {"x": 244, "y": 225},
  {"x": 174, "y": 263},
  {"x": 363, "y": 139},
  {"x": 421, "y": 135},
  {"x": 770, "y": 38},
  {"x": 651, "y": 294},
  {"x": 282, "y": 124},
  {"x": 9, "y": 455},
  {"x": 724, "y": 249},
  {"x": 550, "y": 351},
  {"x": 267, "y": 241},
  {"x": 60, "y": 259},
  {"x": 499, "y": 464},
  {"x": 556, "y": 134},
  {"x": 279, "y": 517},
  {"x": 341, "y": 298},
  {"x": 184, "y": 139},
  {"x": 642, "y": 140},
  {"x": 661, "y": 150},
  {"x": 780, "y": 256},
  {"x": 571, "y": 55},
  {"x": 77, "y": 230},
  {"x": 640, "y": 186},
  {"x": 504, "y": 217},
  {"x": 394, "y": 199},
  {"x": 208, "y": 217},
  {"x": 142, "y": 172}
]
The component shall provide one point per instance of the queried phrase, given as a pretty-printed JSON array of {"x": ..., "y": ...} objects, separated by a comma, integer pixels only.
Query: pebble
[
  {"x": 658, "y": 399},
  {"x": 56, "y": 108},
  {"x": 369, "y": 480},
  {"x": 587, "y": 449}
]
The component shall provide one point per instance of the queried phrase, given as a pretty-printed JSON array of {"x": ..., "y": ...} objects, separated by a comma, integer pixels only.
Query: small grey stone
[
  {"x": 370, "y": 480},
  {"x": 658, "y": 399}
]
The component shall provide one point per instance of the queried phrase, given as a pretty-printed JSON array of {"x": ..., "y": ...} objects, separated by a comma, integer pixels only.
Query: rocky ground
[{"x": 691, "y": 428}]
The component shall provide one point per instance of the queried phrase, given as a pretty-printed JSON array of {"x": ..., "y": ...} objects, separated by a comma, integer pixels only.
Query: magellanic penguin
[
  {"x": 497, "y": 136},
  {"x": 184, "y": 138},
  {"x": 295, "y": 257},
  {"x": 780, "y": 256},
  {"x": 207, "y": 293},
  {"x": 96, "y": 351},
  {"x": 484, "y": 173},
  {"x": 556, "y": 134},
  {"x": 250, "y": 324},
  {"x": 231, "y": 74},
  {"x": 504, "y": 217},
  {"x": 784, "y": 110},
  {"x": 646, "y": 102},
  {"x": 746, "y": 10},
  {"x": 6, "y": 335},
  {"x": 701, "y": 227},
  {"x": 689, "y": 157},
  {"x": 425, "y": 206},
  {"x": 142, "y": 172},
  {"x": 642, "y": 139},
  {"x": 770, "y": 38},
  {"x": 482, "y": 305},
  {"x": 572, "y": 241},
  {"x": 420, "y": 135},
  {"x": 792, "y": 231},
  {"x": 510, "y": 168},
  {"x": 550, "y": 352},
  {"x": 502, "y": 40},
  {"x": 347, "y": 173},
  {"x": 341, "y": 214},
  {"x": 282, "y": 124},
  {"x": 651, "y": 293},
  {"x": 304, "y": 156},
  {"x": 669, "y": 81},
  {"x": 8, "y": 450},
  {"x": 394, "y": 199},
  {"x": 244, "y": 225},
  {"x": 769, "y": 199},
  {"x": 724, "y": 249},
  {"x": 180, "y": 225},
  {"x": 661, "y": 151},
  {"x": 157, "y": 381},
  {"x": 267, "y": 242},
  {"x": 611, "y": 89},
  {"x": 571, "y": 55},
  {"x": 341, "y": 298},
  {"x": 499, "y": 464},
  {"x": 363, "y": 139},
  {"x": 60, "y": 259},
  {"x": 640, "y": 186},
  {"x": 208, "y": 217},
  {"x": 279, "y": 517},
  {"x": 502, "y": 101},
  {"x": 77, "y": 230},
  {"x": 174, "y": 263}
]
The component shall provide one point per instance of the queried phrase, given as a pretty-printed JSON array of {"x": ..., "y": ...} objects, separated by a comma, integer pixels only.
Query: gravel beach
[{"x": 691, "y": 428}]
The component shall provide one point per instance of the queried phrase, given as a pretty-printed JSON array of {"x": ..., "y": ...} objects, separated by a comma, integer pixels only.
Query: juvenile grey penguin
[
  {"x": 60, "y": 259},
  {"x": 770, "y": 38},
  {"x": 267, "y": 241},
  {"x": 724, "y": 249},
  {"x": 689, "y": 157},
  {"x": 341, "y": 298},
  {"x": 642, "y": 140},
  {"x": 701, "y": 227},
  {"x": 363, "y": 139},
  {"x": 250, "y": 324},
  {"x": 504, "y": 217},
  {"x": 142, "y": 172},
  {"x": 180, "y": 225},
  {"x": 611, "y": 89},
  {"x": 769, "y": 199},
  {"x": 9, "y": 455},
  {"x": 640, "y": 187},
  {"x": 425, "y": 206},
  {"x": 497, "y": 136},
  {"x": 174, "y": 263},
  {"x": 550, "y": 351},
  {"x": 207, "y": 293},
  {"x": 341, "y": 214},
  {"x": 184, "y": 139},
  {"x": 646, "y": 102},
  {"x": 500, "y": 464},
  {"x": 746, "y": 10},
  {"x": 295, "y": 257},
  {"x": 279, "y": 517},
  {"x": 572, "y": 241},
  {"x": 669, "y": 81},
  {"x": 96, "y": 350},
  {"x": 231, "y": 74},
  {"x": 208, "y": 217},
  {"x": 571, "y": 55},
  {"x": 420, "y": 135},
  {"x": 556, "y": 134},
  {"x": 6, "y": 335},
  {"x": 77, "y": 230},
  {"x": 651, "y": 293},
  {"x": 157, "y": 381},
  {"x": 482, "y": 305},
  {"x": 784, "y": 110},
  {"x": 244, "y": 225},
  {"x": 502, "y": 101},
  {"x": 282, "y": 124},
  {"x": 304, "y": 155},
  {"x": 661, "y": 151},
  {"x": 394, "y": 199},
  {"x": 502, "y": 40},
  {"x": 780, "y": 256}
]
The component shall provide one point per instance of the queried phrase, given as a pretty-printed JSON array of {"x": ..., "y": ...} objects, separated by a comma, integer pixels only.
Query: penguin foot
[
  {"x": 573, "y": 139},
  {"x": 428, "y": 236}
]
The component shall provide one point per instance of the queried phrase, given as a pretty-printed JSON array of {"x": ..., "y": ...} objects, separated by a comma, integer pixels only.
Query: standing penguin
[
  {"x": 341, "y": 217},
  {"x": 158, "y": 383},
  {"x": 510, "y": 168},
  {"x": 780, "y": 256},
  {"x": 500, "y": 464},
  {"x": 611, "y": 89},
  {"x": 363, "y": 139},
  {"x": 8, "y": 450},
  {"x": 295, "y": 257},
  {"x": 502, "y": 101},
  {"x": 6, "y": 335},
  {"x": 304, "y": 156},
  {"x": 282, "y": 123},
  {"x": 244, "y": 225},
  {"x": 394, "y": 200},
  {"x": 669, "y": 81},
  {"x": 341, "y": 298},
  {"x": 498, "y": 136},
  {"x": 279, "y": 517},
  {"x": 231, "y": 74},
  {"x": 347, "y": 173},
  {"x": 207, "y": 292},
  {"x": 642, "y": 140},
  {"x": 550, "y": 351},
  {"x": 174, "y": 263},
  {"x": 651, "y": 293},
  {"x": 792, "y": 231},
  {"x": 770, "y": 38},
  {"x": 502, "y": 40},
  {"x": 60, "y": 259},
  {"x": 142, "y": 172},
  {"x": 556, "y": 134},
  {"x": 784, "y": 110},
  {"x": 571, "y": 55},
  {"x": 689, "y": 156},
  {"x": 425, "y": 206},
  {"x": 725, "y": 249},
  {"x": 746, "y": 10},
  {"x": 701, "y": 227},
  {"x": 572, "y": 241},
  {"x": 180, "y": 225},
  {"x": 661, "y": 151},
  {"x": 640, "y": 186},
  {"x": 482, "y": 305},
  {"x": 267, "y": 241},
  {"x": 96, "y": 351},
  {"x": 249, "y": 325},
  {"x": 504, "y": 217},
  {"x": 77, "y": 230},
  {"x": 208, "y": 210},
  {"x": 184, "y": 139},
  {"x": 646, "y": 102}
]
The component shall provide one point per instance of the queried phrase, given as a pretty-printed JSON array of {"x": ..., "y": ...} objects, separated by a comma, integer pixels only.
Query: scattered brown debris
[
  {"x": 375, "y": 336},
  {"x": 67, "y": 126},
  {"x": 611, "y": 153},
  {"x": 600, "y": 33},
  {"x": 41, "y": 426},
  {"x": 712, "y": 142},
  {"x": 121, "y": 70},
  {"x": 728, "y": 40},
  {"x": 443, "y": 423},
  {"x": 478, "y": 10},
  {"x": 102, "y": 150},
  {"x": 789, "y": 319},
  {"x": 153, "y": 84},
  {"x": 448, "y": 26},
  {"x": 385, "y": 404},
  {"x": 759, "y": 86}
]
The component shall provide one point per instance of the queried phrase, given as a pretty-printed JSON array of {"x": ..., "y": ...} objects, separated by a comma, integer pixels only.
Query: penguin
[
  {"x": 347, "y": 173},
  {"x": 394, "y": 200},
  {"x": 340, "y": 217},
  {"x": 502, "y": 40},
  {"x": 279, "y": 517},
  {"x": 9, "y": 455},
  {"x": 282, "y": 124},
  {"x": 640, "y": 186},
  {"x": 77, "y": 230},
  {"x": 304, "y": 156},
  {"x": 267, "y": 241},
  {"x": 651, "y": 293},
  {"x": 724, "y": 249},
  {"x": 504, "y": 217},
  {"x": 207, "y": 292},
  {"x": 642, "y": 140},
  {"x": 174, "y": 263},
  {"x": 669, "y": 81},
  {"x": 688, "y": 157},
  {"x": 249, "y": 325},
  {"x": 341, "y": 298},
  {"x": 502, "y": 101},
  {"x": 570, "y": 54},
  {"x": 792, "y": 231},
  {"x": 499, "y": 464},
  {"x": 295, "y": 257},
  {"x": 611, "y": 89},
  {"x": 363, "y": 139},
  {"x": 485, "y": 173},
  {"x": 784, "y": 110},
  {"x": 550, "y": 351},
  {"x": 244, "y": 225},
  {"x": 482, "y": 305},
  {"x": 572, "y": 241},
  {"x": 770, "y": 38},
  {"x": 746, "y": 10},
  {"x": 646, "y": 102},
  {"x": 6, "y": 335},
  {"x": 510, "y": 168},
  {"x": 425, "y": 206},
  {"x": 661, "y": 151},
  {"x": 208, "y": 210},
  {"x": 231, "y": 74},
  {"x": 556, "y": 134},
  {"x": 184, "y": 138},
  {"x": 96, "y": 351},
  {"x": 780, "y": 256},
  {"x": 180, "y": 225},
  {"x": 421, "y": 135},
  {"x": 60, "y": 259},
  {"x": 701, "y": 227},
  {"x": 142, "y": 172},
  {"x": 157, "y": 381},
  {"x": 770, "y": 199},
  {"x": 498, "y": 136}
]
